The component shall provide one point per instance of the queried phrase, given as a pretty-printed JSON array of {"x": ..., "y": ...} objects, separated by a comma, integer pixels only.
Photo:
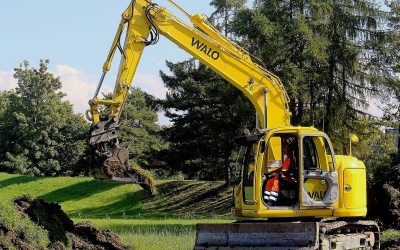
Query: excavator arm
[{"x": 144, "y": 21}]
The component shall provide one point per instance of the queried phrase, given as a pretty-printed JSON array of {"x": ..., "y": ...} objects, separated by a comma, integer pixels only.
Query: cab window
[
  {"x": 274, "y": 154},
  {"x": 310, "y": 156},
  {"x": 280, "y": 170},
  {"x": 317, "y": 154},
  {"x": 249, "y": 163}
]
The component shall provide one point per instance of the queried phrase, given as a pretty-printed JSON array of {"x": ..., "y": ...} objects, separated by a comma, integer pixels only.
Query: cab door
[
  {"x": 253, "y": 157},
  {"x": 249, "y": 174},
  {"x": 319, "y": 174}
]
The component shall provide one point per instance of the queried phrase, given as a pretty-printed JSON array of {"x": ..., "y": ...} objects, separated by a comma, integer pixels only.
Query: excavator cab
[{"x": 287, "y": 169}]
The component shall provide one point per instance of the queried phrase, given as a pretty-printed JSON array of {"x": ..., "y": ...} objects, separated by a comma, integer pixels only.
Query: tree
[
  {"x": 139, "y": 126},
  {"x": 374, "y": 148},
  {"x": 321, "y": 50},
  {"x": 281, "y": 34},
  {"x": 40, "y": 133},
  {"x": 207, "y": 114},
  {"x": 225, "y": 11},
  {"x": 390, "y": 69}
]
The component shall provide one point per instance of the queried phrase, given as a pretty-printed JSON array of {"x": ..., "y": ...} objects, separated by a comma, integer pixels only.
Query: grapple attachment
[{"x": 110, "y": 159}]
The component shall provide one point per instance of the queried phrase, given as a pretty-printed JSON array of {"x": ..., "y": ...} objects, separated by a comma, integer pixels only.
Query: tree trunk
[
  {"x": 344, "y": 102},
  {"x": 312, "y": 105},
  {"x": 328, "y": 113},
  {"x": 228, "y": 179},
  {"x": 227, "y": 167},
  {"x": 300, "y": 111},
  {"x": 294, "y": 109}
]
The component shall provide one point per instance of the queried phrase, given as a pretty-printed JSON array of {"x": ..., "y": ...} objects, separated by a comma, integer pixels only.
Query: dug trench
[{"x": 62, "y": 232}]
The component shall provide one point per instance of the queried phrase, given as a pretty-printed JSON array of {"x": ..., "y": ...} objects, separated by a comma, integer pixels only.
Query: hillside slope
[
  {"x": 89, "y": 198},
  {"x": 166, "y": 221}
]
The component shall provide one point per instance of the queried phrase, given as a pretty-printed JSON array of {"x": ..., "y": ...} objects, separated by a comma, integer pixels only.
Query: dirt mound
[
  {"x": 17, "y": 231},
  {"x": 392, "y": 197},
  {"x": 14, "y": 238},
  {"x": 61, "y": 229}
]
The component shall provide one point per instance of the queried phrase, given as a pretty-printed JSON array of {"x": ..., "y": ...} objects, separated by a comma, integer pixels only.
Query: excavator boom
[{"x": 144, "y": 22}]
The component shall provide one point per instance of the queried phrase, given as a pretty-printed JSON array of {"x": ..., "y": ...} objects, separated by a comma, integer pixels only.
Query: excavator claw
[{"x": 110, "y": 159}]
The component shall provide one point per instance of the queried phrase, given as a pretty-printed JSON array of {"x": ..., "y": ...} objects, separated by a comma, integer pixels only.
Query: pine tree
[
  {"x": 321, "y": 50},
  {"x": 389, "y": 58},
  {"x": 139, "y": 125},
  {"x": 207, "y": 114},
  {"x": 225, "y": 11},
  {"x": 282, "y": 34},
  {"x": 353, "y": 30}
]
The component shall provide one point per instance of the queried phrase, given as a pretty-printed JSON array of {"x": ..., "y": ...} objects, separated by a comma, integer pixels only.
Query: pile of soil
[
  {"x": 13, "y": 239},
  {"x": 61, "y": 229}
]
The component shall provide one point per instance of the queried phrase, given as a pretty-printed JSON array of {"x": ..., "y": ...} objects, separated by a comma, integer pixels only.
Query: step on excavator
[{"x": 295, "y": 193}]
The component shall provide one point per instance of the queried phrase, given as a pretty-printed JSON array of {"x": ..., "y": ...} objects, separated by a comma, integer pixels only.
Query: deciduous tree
[{"x": 40, "y": 133}]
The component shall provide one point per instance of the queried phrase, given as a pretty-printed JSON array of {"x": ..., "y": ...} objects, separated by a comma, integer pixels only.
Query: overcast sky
[{"x": 76, "y": 36}]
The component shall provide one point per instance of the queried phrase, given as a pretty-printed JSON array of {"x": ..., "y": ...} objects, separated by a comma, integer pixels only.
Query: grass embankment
[{"x": 165, "y": 221}]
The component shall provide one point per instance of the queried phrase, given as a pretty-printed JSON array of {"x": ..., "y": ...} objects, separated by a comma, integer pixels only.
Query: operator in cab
[{"x": 281, "y": 184}]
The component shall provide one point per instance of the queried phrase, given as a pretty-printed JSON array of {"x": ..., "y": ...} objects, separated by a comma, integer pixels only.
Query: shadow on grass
[
  {"x": 128, "y": 205},
  {"x": 78, "y": 191},
  {"x": 192, "y": 197},
  {"x": 169, "y": 229},
  {"x": 18, "y": 180}
]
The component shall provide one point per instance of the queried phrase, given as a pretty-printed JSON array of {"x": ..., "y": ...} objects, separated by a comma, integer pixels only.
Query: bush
[{"x": 384, "y": 196}]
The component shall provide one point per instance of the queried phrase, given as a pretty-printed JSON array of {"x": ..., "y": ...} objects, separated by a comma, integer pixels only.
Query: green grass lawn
[
  {"x": 390, "y": 237},
  {"x": 166, "y": 221}
]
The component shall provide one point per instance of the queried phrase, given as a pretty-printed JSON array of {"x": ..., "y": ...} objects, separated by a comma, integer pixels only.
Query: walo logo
[
  {"x": 204, "y": 48},
  {"x": 317, "y": 195}
]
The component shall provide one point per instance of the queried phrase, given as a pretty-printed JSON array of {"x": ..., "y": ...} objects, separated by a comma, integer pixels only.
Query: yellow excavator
[{"x": 295, "y": 193}]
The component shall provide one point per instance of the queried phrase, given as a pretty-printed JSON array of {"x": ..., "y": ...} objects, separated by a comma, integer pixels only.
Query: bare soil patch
[{"x": 62, "y": 231}]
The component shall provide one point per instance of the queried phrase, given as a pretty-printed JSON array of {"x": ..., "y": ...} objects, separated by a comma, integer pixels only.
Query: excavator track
[
  {"x": 288, "y": 235},
  {"x": 349, "y": 235}
]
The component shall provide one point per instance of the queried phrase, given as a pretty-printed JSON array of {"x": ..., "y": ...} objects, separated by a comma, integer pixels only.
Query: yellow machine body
[{"x": 351, "y": 178}]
